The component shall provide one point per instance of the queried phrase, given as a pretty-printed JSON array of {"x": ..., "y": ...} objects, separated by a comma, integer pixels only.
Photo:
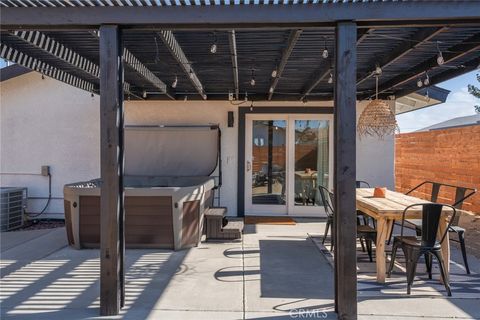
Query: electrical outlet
[{"x": 45, "y": 171}]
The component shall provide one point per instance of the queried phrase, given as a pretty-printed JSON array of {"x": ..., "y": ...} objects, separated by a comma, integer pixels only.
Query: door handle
[{"x": 249, "y": 166}]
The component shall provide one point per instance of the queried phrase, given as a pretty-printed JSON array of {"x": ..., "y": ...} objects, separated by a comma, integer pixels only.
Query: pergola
[{"x": 160, "y": 49}]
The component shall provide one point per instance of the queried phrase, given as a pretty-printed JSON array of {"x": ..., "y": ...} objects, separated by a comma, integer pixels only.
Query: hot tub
[{"x": 161, "y": 211}]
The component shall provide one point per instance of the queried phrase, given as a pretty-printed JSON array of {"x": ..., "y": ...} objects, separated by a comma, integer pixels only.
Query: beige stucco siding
[{"x": 45, "y": 122}]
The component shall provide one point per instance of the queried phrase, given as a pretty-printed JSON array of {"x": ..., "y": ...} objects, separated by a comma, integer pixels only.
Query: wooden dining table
[{"x": 385, "y": 211}]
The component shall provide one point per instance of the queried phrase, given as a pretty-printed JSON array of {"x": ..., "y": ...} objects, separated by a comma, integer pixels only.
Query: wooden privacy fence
[{"x": 449, "y": 156}]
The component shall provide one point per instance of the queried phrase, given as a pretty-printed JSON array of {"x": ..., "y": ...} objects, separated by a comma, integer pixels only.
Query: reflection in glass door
[
  {"x": 311, "y": 162},
  {"x": 266, "y": 166}
]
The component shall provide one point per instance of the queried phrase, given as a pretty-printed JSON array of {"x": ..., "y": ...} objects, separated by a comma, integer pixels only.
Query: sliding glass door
[{"x": 287, "y": 158}]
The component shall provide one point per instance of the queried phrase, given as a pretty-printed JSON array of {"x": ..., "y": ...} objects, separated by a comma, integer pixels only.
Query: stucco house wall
[{"x": 46, "y": 122}]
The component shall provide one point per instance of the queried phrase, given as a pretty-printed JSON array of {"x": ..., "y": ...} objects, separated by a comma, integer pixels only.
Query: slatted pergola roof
[{"x": 156, "y": 56}]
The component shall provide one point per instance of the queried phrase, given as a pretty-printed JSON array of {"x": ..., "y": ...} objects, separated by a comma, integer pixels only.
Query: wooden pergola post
[
  {"x": 345, "y": 170},
  {"x": 112, "y": 158}
]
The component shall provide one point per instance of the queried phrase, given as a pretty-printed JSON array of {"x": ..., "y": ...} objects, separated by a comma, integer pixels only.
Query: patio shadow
[{"x": 294, "y": 269}]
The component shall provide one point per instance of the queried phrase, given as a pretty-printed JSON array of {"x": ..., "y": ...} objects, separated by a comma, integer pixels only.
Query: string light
[
  {"x": 185, "y": 99},
  {"x": 213, "y": 48},
  {"x": 144, "y": 94},
  {"x": 252, "y": 81},
  {"x": 274, "y": 73},
  {"x": 440, "y": 59},
  {"x": 330, "y": 79},
  {"x": 378, "y": 70},
  {"x": 325, "y": 50},
  {"x": 419, "y": 83},
  {"x": 246, "y": 96},
  {"x": 175, "y": 82},
  {"x": 427, "y": 97},
  {"x": 427, "y": 79},
  {"x": 251, "y": 106},
  {"x": 270, "y": 90},
  {"x": 190, "y": 74}
]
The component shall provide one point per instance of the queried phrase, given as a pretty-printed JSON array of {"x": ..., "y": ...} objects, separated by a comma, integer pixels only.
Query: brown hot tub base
[{"x": 155, "y": 217}]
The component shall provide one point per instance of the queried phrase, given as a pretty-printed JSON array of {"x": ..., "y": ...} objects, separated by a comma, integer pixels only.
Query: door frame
[{"x": 242, "y": 112}]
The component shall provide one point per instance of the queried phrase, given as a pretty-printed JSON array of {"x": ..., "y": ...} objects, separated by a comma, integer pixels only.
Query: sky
[{"x": 459, "y": 103}]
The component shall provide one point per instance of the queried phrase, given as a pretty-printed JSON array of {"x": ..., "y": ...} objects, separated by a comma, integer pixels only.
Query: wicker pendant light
[{"x": 377, "y": 119}]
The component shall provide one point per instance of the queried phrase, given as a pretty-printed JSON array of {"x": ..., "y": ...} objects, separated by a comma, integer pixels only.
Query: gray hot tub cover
[{"x": 171, "y": 151}]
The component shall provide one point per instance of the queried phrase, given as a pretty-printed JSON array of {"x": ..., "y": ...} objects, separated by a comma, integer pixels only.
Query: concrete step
[
  {"x": 213, "y": 212},
  {"x": 236, "y": 225}
]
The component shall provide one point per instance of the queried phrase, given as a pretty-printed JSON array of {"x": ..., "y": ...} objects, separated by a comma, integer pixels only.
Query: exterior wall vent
[{"x": 12, "y": 204}]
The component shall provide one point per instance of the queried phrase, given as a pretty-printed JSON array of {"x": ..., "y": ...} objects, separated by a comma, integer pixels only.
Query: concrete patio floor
[{"x": 276, "y": 272}]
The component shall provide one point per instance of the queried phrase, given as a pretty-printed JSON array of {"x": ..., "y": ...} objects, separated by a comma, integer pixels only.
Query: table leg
[
  {"x": 383, "y": 229},
  {"x": 445, "y": 245}
]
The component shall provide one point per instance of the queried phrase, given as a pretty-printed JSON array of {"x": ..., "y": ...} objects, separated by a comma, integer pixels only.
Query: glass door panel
[
  {"x": 311, "y": 155},
  {"x": 269, "y": 162},
  {"x": 266, "y": 167}
]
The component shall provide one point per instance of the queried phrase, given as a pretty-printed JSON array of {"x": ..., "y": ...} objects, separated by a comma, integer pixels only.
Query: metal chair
[
  {"x": 427, "y": 244},
  {"x": 327, "y": 198},
  {"x": 460, "y": 196},
  {"x": 362, "y": 217},
  {"x": 364, "y": 232}
]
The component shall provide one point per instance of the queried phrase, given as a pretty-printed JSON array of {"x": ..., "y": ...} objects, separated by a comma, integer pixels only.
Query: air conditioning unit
[{"x": 12, "y": 203}]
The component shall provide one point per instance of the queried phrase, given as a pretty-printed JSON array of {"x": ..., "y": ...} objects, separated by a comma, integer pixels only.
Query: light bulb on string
[
  {"x": 330, "y": 79},
  {"x": 427, "y": 79},
  {"x": 419, "y": 83},
  {"x": 274, "y": 73},
  {"x": 325, "y": 50},
  {"x": 213, "y": 48},
  {"x": 175, "y": 82},
  {"x": 440, "y": 59}
]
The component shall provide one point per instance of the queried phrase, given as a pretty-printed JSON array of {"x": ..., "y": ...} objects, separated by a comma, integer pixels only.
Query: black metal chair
[
  {"x": 362, "y": 217},
  {"x": 364, "y": 232},
  {"x": 327, "y": 198},
  {"x": 427, "y": 244},
  {"x": 460, "y": 196}
]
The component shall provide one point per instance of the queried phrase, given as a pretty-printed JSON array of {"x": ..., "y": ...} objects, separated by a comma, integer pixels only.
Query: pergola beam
[
  {"x": 136, "y": 65},
  {"x": 62, "y": 53},
  {"x": 316, "y": 81},
  {"x": 292, "y": 40},
  {"x": 373, "y": 14},
  {"x": 29, "y": 62},
  {"x": 58, "y": 51},
  {"x": 326, "y": 68},
  {"x": 418, "y": 39},
  {"x": 232, "y": 40},
  {"x": 177, "y": 52},
  {"x": 456, "y": 52}
]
